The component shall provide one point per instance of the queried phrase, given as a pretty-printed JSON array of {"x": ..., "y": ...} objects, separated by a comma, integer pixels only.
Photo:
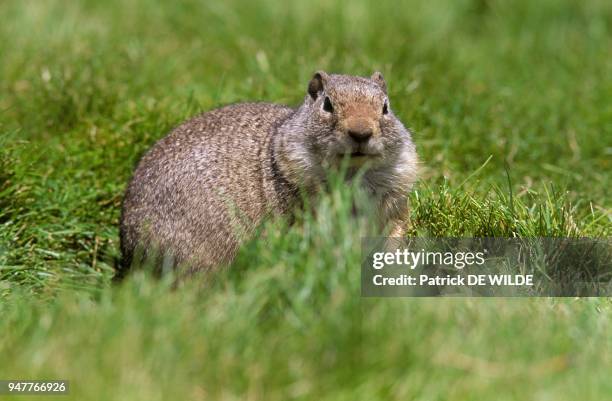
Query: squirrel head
[
  {"x": 351, "y": 117},
  {"x": 352, "y": 108},
  {"x": 343, "y": 117}
]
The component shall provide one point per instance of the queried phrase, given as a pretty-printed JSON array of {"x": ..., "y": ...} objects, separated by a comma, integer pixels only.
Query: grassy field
[{"x": 511, "y": 108}]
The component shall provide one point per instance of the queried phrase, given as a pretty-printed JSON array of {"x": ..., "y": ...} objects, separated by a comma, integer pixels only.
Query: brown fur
[{"x": 201, "y": 190}]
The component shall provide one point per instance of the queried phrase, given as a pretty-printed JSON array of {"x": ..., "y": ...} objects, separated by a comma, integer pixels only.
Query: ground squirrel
[{"x": 203, "y": 189}]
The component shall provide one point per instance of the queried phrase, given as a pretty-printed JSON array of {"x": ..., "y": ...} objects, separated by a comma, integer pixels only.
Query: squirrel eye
[
  {"x": 327, "y": 106},
  {"x": 385, "y": 108}
]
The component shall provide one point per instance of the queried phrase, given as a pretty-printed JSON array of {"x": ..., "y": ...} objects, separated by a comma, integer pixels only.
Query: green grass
[{"x": 511, "y": 108}]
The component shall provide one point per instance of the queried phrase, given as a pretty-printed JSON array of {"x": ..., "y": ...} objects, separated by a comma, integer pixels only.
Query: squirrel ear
[
  {"x": 317, "y": 84},
  {"x": 378, "y": 78}
]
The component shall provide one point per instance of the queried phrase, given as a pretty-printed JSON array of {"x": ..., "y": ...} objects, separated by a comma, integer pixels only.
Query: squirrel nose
[{"x": 361, "y": 135}]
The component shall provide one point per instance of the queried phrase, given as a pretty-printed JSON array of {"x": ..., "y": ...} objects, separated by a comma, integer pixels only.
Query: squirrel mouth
[
  {"x": 357, "y": 156},
  {"x": 352, "y": 155}
]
